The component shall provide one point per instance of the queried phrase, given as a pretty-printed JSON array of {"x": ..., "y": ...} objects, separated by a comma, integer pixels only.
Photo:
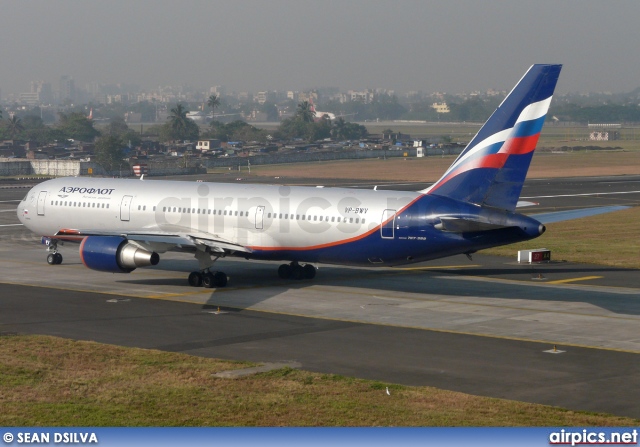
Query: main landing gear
[
  {"x": 53, "y": 258},
  {"x": 296, "y": 271},
  {"x": 205, "y": 277}
]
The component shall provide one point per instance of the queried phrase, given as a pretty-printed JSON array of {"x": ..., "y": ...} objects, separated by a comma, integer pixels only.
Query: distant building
[
  {"x": 604, "y": 132},
  {"x": 440, "y": 107},
  {"x": 207, "y": 145},
  {"x": 67, "y": 90}
]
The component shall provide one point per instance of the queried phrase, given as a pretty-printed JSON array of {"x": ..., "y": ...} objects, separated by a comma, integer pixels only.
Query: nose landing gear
[{"x": 53, "y": 258}]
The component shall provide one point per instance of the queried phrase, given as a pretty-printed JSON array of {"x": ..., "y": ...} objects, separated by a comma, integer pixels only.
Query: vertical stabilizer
[{"x": 492, "y": 168}]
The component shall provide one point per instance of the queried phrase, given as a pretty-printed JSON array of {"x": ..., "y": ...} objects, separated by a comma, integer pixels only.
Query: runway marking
[
  {"x": 564, "y": 281},
  {"x": 438, "y": 267},
  {"x": 9, "y": 201},
  {"x": 12, "y": 225},
  {"x": 581, "y": 195},
  {"x": 9, "y": 211}
]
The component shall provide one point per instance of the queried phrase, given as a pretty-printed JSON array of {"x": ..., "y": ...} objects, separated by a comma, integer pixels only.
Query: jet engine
[{"x": 114, "y": 254}]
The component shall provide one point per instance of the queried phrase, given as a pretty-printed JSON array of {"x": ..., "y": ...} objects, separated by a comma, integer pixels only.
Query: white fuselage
[{"x": 263, "y": 217}]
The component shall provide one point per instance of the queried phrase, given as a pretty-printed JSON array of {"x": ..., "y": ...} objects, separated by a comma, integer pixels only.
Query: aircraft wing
[
  {"x": 559, "y": 216},
  {"x": 162, "y": 241}
]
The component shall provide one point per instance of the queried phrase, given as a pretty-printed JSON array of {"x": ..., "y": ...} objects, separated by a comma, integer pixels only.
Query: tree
[
  {"x": 14, "y": 126},
  {"x": 179, "y": 127},
  {"x": 338, "y": 130},
  {"x": 77, "y": 126},
  {"x": 119, "y": 128},
  {"x": 305, "y": 113},
  {"x": 109, "y": 153},
  {"x": 213, "y": 102},
  {"x": 343, "y": 130}
]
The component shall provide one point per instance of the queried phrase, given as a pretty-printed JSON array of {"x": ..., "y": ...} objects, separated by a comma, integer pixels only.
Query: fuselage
[{"x": 324, "y": 225}]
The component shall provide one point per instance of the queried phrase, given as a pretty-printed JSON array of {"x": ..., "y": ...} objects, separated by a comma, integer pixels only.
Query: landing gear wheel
[
  {"x": 195, "y": 279},
  {"x": 284, "y": 271},
  {"x": 211, "y": 280},
  {"x": 208, "y": 281},
  {"x": 220, "y": 279},
  {"x": 297, "y": 272},
  {"x": 54, "y": 258},
  {"x": 309, "y": 271}
]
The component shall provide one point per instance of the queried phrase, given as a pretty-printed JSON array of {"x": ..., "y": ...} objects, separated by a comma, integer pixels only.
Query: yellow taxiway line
[{"x": 568, "y": 280}]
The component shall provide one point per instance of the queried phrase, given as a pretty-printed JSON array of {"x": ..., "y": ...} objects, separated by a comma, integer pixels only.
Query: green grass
[
  {"x": 48, "y": 381},
  {"x": 609, "y": 239}
]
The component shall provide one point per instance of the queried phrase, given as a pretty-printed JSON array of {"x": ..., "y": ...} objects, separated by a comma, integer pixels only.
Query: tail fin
[{"x": 492, "y": 168}]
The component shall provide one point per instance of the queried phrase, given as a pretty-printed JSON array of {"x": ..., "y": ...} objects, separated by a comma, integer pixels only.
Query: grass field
[
  {"x": 608, "y": 239},
  {"x": 48, "y": 381}
]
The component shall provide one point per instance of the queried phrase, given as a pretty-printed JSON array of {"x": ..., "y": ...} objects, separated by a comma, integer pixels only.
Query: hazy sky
[{"x": 252, "y": 45}]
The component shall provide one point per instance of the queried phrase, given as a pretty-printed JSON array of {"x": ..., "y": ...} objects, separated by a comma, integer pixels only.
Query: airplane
[
  {"x": 123, "y": 224},
  {"x": 318, "y": 115}
]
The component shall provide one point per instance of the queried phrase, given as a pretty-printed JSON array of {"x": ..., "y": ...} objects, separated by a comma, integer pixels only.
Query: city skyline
[{"x": 250, "y": 45}]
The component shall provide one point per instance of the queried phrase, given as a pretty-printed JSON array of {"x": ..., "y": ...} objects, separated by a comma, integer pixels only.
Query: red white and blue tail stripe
[{"x": 492, "y": 168}]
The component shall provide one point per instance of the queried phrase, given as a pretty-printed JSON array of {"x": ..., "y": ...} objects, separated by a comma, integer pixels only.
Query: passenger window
[
  {"x": 362, "y": 220},
  {"x": 235, "y": 214},
  {"x": 280, "y": 216},
  {"x": 357, "y": 220},
  {"x": 303, "y": 216}
]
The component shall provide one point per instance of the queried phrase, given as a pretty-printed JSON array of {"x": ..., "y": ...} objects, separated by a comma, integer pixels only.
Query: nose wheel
[{"x": 54, "y": 258}]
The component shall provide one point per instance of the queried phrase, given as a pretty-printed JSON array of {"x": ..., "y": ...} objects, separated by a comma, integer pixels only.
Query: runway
[{"x": 480, "y": 326}]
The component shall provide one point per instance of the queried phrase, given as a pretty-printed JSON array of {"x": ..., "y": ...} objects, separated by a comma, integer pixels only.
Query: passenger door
[
  {"x": 125, "y": 208},
  {"x": 42, "y": 197},
  {"x": 387, "y": 224}
]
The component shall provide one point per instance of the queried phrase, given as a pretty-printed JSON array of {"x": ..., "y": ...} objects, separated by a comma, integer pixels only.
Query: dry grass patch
[
  {"x": 430, "y": 169},
  {"x": 47, "y": 381}
]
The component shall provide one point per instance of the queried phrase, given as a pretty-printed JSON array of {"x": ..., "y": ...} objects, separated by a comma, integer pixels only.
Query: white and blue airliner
[{"x": 123, "y": 224}]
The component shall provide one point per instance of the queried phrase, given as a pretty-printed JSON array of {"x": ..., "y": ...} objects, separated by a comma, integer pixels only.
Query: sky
[{"x": 451, "y": 46}]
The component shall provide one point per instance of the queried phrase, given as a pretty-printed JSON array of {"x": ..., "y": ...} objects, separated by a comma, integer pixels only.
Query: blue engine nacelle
[{"x": 114, "y": 254}]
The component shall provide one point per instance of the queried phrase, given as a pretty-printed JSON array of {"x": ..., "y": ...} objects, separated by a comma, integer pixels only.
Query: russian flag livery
[{"x": 492, "y": 168}]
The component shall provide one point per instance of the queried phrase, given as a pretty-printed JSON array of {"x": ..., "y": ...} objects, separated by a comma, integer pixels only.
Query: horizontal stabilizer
[{"x": 559, "y": 216}]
